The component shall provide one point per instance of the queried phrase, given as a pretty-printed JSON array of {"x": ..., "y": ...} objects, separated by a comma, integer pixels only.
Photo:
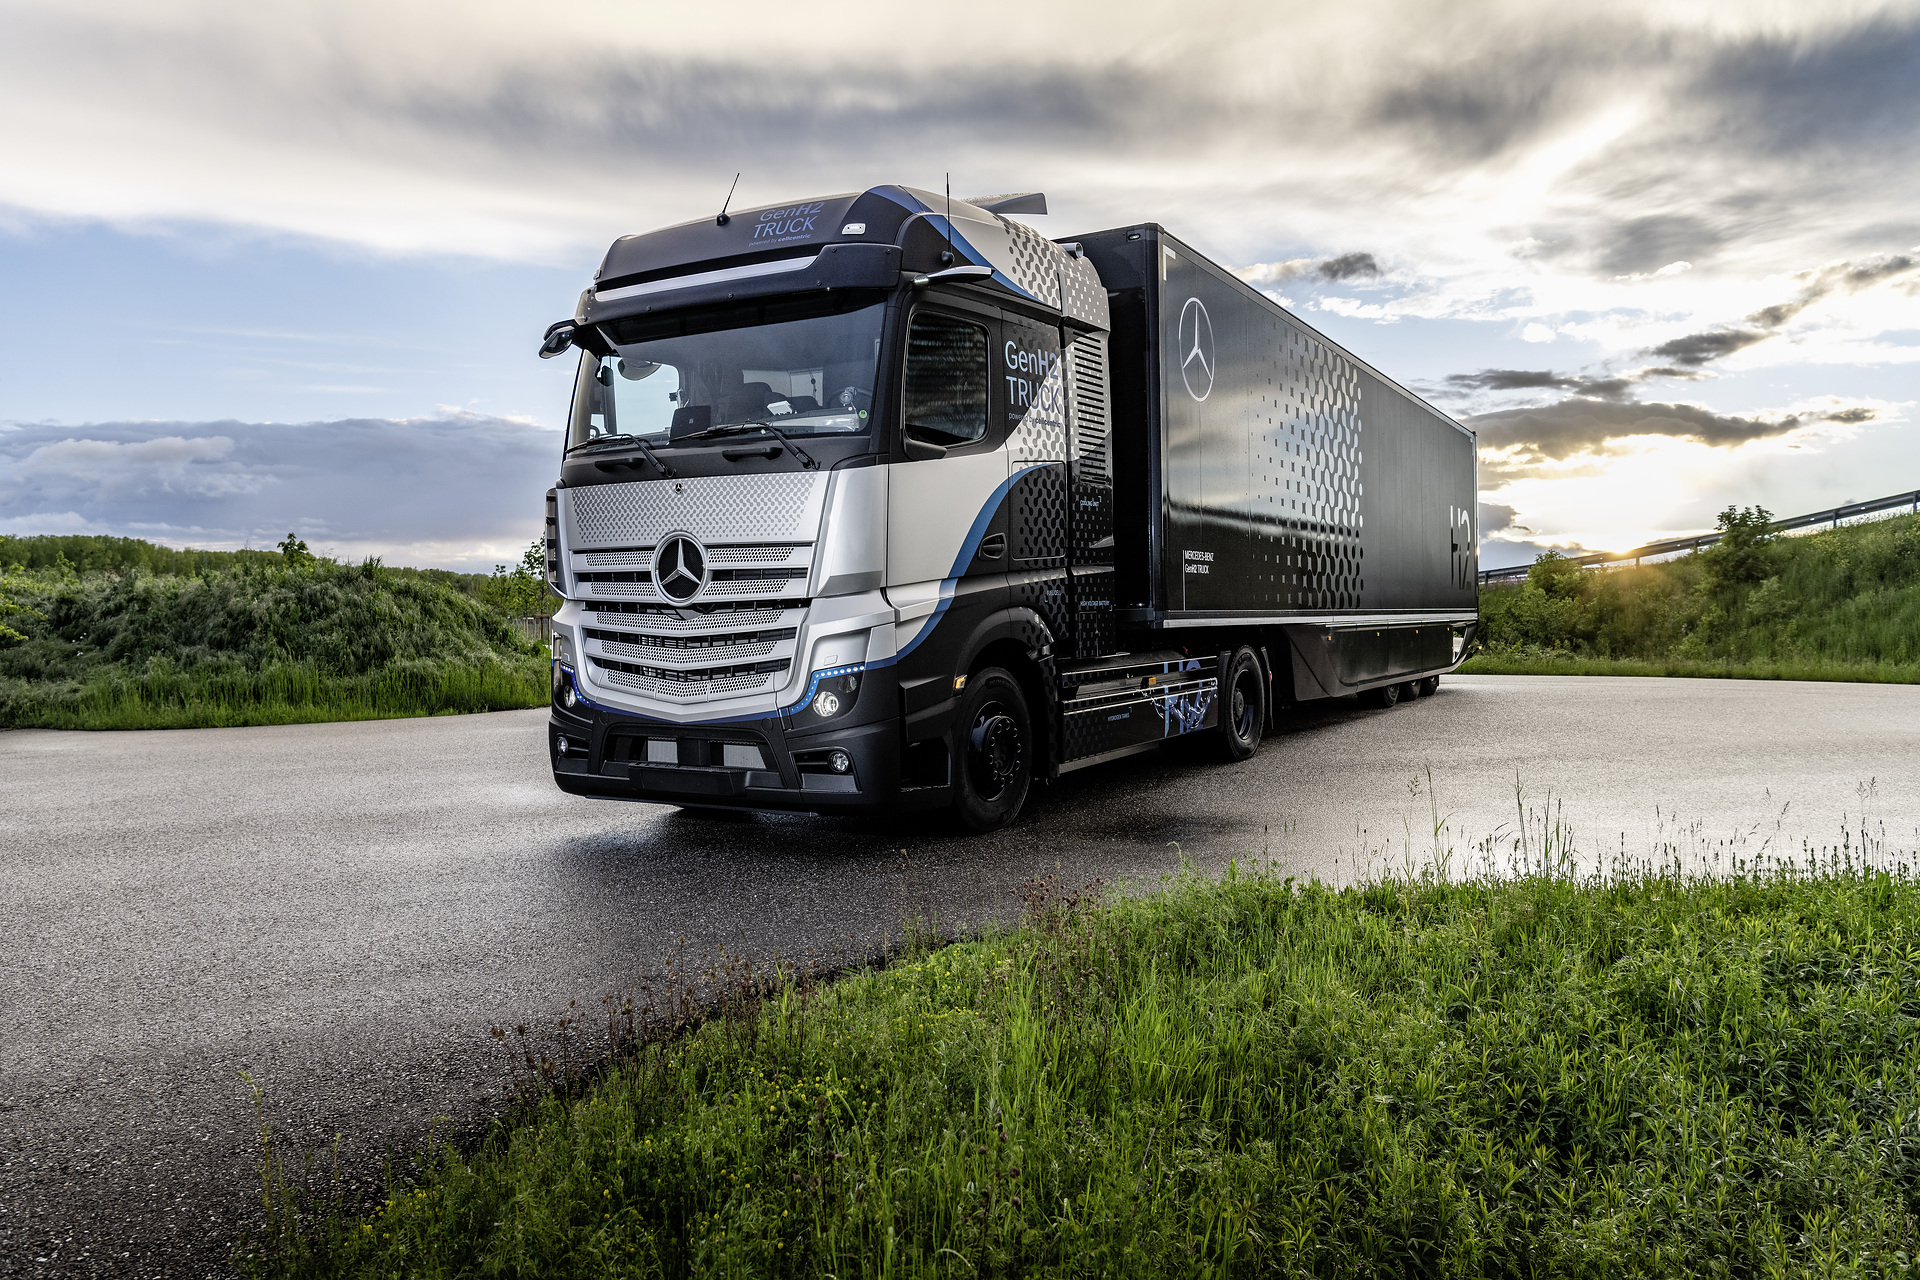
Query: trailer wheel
[
  {"x": 1382, "y": 698},
  {"x": 1429, "y": 686},
  {"x": 1242, "y": 710},
  {"x": 996, "y": 751}
]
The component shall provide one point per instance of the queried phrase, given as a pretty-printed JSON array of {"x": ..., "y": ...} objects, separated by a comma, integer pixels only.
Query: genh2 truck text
[{"x": 885, "y": 501}]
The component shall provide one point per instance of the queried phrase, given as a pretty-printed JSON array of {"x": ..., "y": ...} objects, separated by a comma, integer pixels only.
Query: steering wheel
[{"x": 852, "y": 397}]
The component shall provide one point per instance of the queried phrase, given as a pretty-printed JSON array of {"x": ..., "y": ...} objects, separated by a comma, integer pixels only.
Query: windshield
[{"x": 806, "y": 368}]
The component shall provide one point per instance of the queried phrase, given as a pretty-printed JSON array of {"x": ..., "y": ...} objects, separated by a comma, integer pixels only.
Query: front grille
[
  {"x": 728, "y": 581},
  {"x": 693, "y": 677},
  {"x": 737, "y": 642},
  {"x": 686, "y": 618},
  {"x": 642, "y": 557},
  {"x": 686, "y": 686},
  {"x": 724, "y": 647}
]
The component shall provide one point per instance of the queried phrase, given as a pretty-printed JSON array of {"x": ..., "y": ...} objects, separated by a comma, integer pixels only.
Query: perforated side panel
[
  {"x": 759, "y": 508},
  {"x": 1306, "y": 480},
  {"x": 1039, "y": 517},
  {"x": 1082, "y": 295},
  {"x": 1033, "y": 262}
]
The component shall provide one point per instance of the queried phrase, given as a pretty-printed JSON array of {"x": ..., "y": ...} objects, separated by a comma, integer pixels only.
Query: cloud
[
  {"x": 1495, "y": 518},
  {"x": 1346, "y": 266},
  {"x": 1607, "y": 388},
  {"x": 197, "y": 467},
  {"x": 452, "y": 491},
  {"x": 1349, "y": 266},
  {"x": 1650, "y": 243},
  {"x": 1697, "y": 349},
  {"x": 1571, "y": 427}
]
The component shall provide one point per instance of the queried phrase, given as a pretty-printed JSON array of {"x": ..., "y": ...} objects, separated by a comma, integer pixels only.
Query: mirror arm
[
  {"x": 954, "y": 273},
  {"x": 558, "y": 338}
]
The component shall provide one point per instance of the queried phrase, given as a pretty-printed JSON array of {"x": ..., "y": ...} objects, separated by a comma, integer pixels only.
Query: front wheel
[
  {"x": 996, "y": 751},
  {"x": 1242, "y": 707}
]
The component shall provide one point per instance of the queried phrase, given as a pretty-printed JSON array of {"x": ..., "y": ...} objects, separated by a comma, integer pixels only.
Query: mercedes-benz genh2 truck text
[{"x": 883, "y": 501}]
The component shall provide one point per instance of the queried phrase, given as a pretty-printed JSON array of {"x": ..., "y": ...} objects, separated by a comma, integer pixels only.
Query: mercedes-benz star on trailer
[{"x": 879, "y": 501}]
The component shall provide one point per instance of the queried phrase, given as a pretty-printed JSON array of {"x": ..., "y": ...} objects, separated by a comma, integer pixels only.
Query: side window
[{"x": 946, "y": 381}]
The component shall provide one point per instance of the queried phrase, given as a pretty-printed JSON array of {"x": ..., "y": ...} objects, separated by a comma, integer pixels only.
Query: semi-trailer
[{"x": 885, "y": 500}]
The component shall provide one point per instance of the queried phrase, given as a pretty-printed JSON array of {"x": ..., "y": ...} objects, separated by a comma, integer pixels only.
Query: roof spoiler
[{"x": 1012, "y": 202}]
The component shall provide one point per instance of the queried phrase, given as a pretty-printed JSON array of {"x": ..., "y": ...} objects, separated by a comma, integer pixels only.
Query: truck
[{"x": 888, "y": 501}]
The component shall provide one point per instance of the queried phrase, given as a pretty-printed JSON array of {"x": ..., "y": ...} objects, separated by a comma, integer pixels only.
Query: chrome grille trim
[
  {"x": 783, "y": 554},
  {"x": 669, "y": 621},
  {"x": 728, "y": 653}
]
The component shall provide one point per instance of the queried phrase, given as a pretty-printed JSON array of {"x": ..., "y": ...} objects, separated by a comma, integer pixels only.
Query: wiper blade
[
  {"x": 636, "y": 442},
  {"x": 741, "y": 428}
]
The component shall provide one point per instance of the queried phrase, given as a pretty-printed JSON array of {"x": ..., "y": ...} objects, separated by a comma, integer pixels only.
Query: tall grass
[
  {"x": 1648, "y": 1072},
  {"x": 1837, "y": 605},
  {"x": 254, "y": 645}
]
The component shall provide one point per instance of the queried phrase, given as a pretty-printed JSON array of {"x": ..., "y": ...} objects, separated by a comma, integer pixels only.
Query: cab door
[
  {"x": 947, "y": 530},
  {"x": 1038, "y": 524}
]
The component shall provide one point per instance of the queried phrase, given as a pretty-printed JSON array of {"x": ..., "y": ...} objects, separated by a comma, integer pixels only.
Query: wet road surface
[{"x": 344, "y": 910}]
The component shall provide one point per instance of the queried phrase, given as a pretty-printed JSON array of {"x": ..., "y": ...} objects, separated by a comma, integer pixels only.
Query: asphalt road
[{"x": 344, "y": 910}]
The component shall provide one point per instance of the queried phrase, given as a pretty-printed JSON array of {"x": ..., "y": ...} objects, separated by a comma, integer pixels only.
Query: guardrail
[
  {"x": 1832, "y": 516},
  {"x": 537, "y": 630}
]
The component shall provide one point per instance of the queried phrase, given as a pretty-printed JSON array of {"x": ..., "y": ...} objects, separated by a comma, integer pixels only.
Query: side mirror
[{"x": 559, "y": 338}]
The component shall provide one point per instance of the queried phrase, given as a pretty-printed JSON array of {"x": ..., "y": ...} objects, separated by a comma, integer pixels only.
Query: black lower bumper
[{"x": 745, "y": 764}]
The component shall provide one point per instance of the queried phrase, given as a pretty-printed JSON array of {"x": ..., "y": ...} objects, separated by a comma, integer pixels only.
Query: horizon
[{"x": 289, "y": 268}]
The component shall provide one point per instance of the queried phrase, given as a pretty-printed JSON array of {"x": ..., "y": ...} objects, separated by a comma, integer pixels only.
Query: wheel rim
[
  {"x": 995, "y": 751},
  {"x": 1245, "y": 708}
]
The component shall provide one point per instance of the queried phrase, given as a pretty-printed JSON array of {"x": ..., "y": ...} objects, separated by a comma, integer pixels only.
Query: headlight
[
  {"x": 833, "y": 694},
  {"x": 564, "y": 694}
]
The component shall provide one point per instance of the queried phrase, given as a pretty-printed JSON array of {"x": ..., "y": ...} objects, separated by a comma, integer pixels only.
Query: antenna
[
  {"x": 949, "y": 218},
  {"x": 723, "y": 219}
]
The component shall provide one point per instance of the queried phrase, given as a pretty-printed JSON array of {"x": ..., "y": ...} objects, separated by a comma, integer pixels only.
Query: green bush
[
  {"x": 254, "y": 643},
  {"x": 1840, "y": 600}
]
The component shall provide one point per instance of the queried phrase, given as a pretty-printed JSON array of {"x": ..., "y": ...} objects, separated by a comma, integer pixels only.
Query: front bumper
[{"x": 772, "y": 762}]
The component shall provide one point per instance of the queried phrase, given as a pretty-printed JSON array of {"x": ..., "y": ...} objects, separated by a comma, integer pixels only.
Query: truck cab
[{"x": 828, "y": 463}]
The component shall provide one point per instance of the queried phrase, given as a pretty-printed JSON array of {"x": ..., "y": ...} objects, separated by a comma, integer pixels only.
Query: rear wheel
[
  {"x": 1242, "y": 707},
  {"x": 1429, "y": 686},
  {"x": 996, "y": 751},
  {"x": 1382, "y": 698}
]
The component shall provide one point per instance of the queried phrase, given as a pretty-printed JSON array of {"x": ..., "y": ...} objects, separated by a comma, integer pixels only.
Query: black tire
[
  {"x": 995, "y": 751},
  {"x": 1382, "y": 698},
  {"x": 1429, "y": 686},
  {"x": 1243, "y": 717},
  {"x": 1410, "y": 691}
]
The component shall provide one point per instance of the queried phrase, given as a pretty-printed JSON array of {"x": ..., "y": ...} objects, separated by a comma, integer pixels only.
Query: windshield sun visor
[{"x": 836, "y": 266}]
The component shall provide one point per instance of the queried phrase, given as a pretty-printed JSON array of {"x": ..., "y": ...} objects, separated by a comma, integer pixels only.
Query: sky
[{"x": 277, "y": 266}]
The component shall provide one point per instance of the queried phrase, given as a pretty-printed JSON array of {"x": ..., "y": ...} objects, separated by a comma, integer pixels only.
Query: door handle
[{"x": 993, "y": 546}]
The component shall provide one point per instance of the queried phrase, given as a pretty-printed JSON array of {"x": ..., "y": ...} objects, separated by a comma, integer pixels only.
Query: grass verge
[
  {"x": 1549, "y": 662},
  {"x": 254, "y": 644},
  {"x": 1649, "y": 1073},
  {"x": 282, "y": 693}
]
